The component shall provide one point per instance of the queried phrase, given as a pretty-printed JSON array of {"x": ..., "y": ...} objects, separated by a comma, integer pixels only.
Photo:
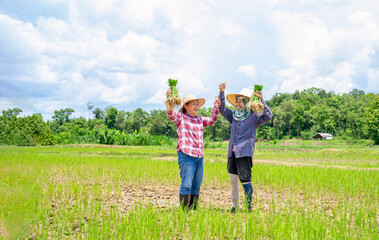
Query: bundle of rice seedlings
[
  {"x": 255, "y": 102},
  {"x": 173, "y": 99}
]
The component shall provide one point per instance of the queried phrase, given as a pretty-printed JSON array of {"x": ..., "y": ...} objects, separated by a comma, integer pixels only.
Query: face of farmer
[
  {"x": 192, "y": 107},
  {"x": 239, "y": 104}
]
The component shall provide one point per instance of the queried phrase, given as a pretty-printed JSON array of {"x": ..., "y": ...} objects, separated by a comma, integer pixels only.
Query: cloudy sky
[{"x": 65, "y": 53}]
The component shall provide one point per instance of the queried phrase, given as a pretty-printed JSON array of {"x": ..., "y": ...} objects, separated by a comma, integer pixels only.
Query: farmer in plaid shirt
[
  {"x": 190, "y": 146},
  {"x": 242, "y": 140}
]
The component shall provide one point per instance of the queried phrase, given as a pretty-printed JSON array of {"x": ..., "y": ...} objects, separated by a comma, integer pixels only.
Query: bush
[
  {"x": 24, "y": 131},
  {"x": 306, "y": 135},
  {"x": 110, "y": 136}
]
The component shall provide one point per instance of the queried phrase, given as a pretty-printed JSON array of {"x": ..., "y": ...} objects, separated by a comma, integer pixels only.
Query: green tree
[
  {"x": 120, "y": 119},
  {"x": 298, "y": 117},
  {"x": 110, "y": 118},
  {"x": 12, "y": 112},
  {"x": 139, "y": 119},
  {"x": 62, "y": 115},
  {"x": 90, "y": 105},
  {"x": 288, "y": 112},
  {"x": 277, "y": 120},
  {"x": 24, "y": 131},
  {"x": 160, "y": 124},
  {"x": 371, "y": 128},
  {"x": 278, "y": 98},
  {"x": 322, "y": 118},
  {"x": 99, "y": 114}
]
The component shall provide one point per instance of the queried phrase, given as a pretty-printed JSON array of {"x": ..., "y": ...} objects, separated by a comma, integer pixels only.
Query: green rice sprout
[
  {"x": 255, "y": 104},
  {"x": 258, "y": 88},
  {"x": 173, "y": 99}
]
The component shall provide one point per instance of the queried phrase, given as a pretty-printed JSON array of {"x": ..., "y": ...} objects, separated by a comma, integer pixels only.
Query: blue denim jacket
[{"x": 242, "y": 135}]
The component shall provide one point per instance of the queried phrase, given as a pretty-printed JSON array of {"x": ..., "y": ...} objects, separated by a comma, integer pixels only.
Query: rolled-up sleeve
[
  {"x": 208, "y": 121},
  {"x": 266, "y": 116},
  {"x": 227, "y": 113},
  {"x": 173, "y": 116}
]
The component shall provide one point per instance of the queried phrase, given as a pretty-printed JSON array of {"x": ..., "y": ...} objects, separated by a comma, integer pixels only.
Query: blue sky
[{"x": 65, "y": 53}]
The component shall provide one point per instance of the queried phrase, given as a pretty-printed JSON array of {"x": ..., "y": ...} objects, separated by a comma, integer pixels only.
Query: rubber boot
[
  {"x": 193, "y": 202},
  {"x": 248, "y": 188},
  {"x": 234, "y": 191},
  {"x": 184, "y": 201}
]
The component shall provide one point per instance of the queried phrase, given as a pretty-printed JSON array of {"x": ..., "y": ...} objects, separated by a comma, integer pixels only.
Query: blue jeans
[{"x": 191, "y": 173}]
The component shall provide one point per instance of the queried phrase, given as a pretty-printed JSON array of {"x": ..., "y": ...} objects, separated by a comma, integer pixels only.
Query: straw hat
[
  {"x": 189, "y": 98},
  {"x": 245, "y": 93}
]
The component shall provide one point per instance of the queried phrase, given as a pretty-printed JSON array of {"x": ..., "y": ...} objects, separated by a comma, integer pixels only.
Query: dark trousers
[{"x": 241, "y": 167}]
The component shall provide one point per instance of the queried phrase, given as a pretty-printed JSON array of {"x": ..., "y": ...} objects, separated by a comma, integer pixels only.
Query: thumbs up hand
[
  {"x": 217, "y": 101},
  {"x": 222, "y": 86}
]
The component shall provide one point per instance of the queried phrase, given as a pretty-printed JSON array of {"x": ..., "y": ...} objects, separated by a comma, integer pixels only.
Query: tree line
[{"x": 302, "y": 114}]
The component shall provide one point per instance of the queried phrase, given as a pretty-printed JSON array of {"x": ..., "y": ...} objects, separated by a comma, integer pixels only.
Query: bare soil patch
[
  {"x": 319, "y": 143},
  {"x": 288, "y": 143},
  {"x": 333, "y": 150},
  {"x": 166, "y": 196},
  {"x": 95, "y": 146},
  {"x": 170, "y": 159},
  {"x": 2, "y": 230}
]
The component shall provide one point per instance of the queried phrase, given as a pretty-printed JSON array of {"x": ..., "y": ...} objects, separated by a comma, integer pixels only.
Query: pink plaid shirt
[{"x": 190, "y": 131}]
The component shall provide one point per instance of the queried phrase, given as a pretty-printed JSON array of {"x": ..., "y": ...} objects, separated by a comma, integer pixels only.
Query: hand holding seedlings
[
  {"x": 168, "y": 93},
  {"x": 172, "y": 94},
  {"x": 258, "y": 94},
  {"x": 255, "y": 102}
]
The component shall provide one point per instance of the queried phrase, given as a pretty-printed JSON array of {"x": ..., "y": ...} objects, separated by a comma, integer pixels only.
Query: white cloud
[
  {"x": 230, "y": 28},
  {"x": 191, "y": 79},
  {"x": 248, "y": 70},
  {"x": 363, "y": 35},
  {"x": 6, "y": 104},
  {"x": 68, "y": 55},
  {"x": 132, "y": 52},
  {"x": 44, "y": 74},
  {"x": 320, "y": 55},
  {"x": 20, "y": 38},
  {"x": 303, "y": 38},
  {"x": 123, "y": 52},
  {"x": 340, "y": 80},
  {"x": 373, "y": 80},
  {"x": 53, "y": 29},
  {"x": 158, "y": 97},
  {"x": 123, "y": 90}
]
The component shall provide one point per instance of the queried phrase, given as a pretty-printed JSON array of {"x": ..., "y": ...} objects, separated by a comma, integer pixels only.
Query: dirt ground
[
  {"x": 161, "y": 196},
  {"x": 166, "y": 196},
  {"x": 2, "y": 230}
]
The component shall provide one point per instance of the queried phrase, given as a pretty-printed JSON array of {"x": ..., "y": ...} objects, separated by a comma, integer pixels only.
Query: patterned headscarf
[{"x": 241, "y": 114}]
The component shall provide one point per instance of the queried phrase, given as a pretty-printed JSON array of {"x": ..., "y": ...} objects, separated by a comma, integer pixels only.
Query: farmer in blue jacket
[{"x": 242, "y": 140}]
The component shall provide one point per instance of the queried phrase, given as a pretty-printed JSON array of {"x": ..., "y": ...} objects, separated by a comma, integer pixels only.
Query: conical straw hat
[
  {"x": 189, "y": 98},
  {"x": 245, "y": 93}
]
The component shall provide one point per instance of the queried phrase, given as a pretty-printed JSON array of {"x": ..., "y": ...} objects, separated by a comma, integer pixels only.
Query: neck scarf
[{"x": 242, "y": 114}]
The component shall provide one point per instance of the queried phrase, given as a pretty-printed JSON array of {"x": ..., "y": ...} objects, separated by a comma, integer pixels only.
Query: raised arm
[
  {"x": 208, "y": 121},
  {"x": 267, "y": 114},
  {"x": 172, "y": 115},
  {"x": 226, "y": 112}
]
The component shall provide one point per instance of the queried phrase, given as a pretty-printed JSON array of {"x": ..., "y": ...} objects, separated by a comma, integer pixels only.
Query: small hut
[{"x": 322, "y": 136}]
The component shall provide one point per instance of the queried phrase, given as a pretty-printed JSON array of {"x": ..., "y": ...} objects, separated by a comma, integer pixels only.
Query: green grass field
[{"x": 302, "y": 190}]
